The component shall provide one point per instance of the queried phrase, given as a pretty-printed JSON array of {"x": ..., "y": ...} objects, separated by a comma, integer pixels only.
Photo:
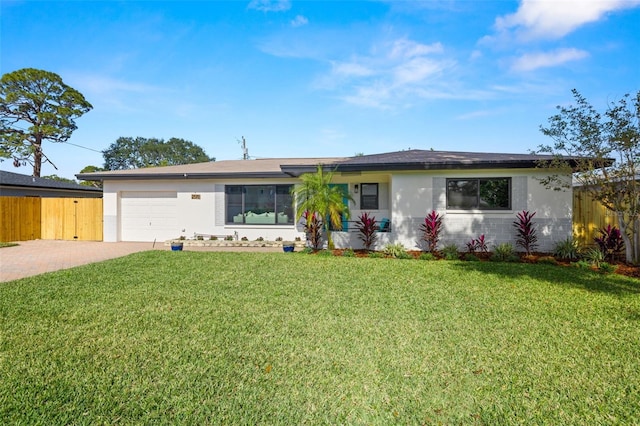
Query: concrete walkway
[{"x": 36, "y": 257}]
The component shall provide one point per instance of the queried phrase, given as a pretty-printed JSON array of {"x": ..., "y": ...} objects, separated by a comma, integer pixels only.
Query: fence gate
[{"x": 29, "y": 218}]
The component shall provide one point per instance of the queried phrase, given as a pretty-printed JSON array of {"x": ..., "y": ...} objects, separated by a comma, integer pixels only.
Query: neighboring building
[
  {"x": 477, "y": 193},
  {"x": 17, "y": 185}
]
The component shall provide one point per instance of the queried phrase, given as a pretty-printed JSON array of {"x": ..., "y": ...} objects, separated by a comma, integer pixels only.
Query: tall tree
[
  {"x": 91, "y": 169},
  {"x": 133, "y": 153},
  {"x": 315, "y": 194},
  {"x": 36, "y": 106},
  {"x": 607, "y": 151}
]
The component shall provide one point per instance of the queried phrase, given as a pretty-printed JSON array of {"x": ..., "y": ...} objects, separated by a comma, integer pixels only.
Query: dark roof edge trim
[{"x": 176, "y": 176}]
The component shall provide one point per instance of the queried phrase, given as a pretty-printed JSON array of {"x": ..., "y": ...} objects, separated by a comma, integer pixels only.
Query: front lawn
[{"x": 255, "y": 338}]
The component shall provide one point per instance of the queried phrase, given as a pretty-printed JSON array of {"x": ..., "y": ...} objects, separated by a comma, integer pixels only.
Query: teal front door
[{"x": 345, "y": 201}]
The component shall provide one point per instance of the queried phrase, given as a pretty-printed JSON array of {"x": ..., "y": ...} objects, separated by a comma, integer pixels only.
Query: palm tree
[{"x": 316, "y": 194}]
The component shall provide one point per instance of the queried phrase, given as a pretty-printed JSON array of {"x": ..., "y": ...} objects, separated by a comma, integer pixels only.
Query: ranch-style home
[{"x": 476, "y": 193}]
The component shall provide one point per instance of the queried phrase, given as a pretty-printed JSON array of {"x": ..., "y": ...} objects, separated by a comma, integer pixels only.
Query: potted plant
[
  {"x": 288, "y": 246},
  {"x": 176, "y": 245}
]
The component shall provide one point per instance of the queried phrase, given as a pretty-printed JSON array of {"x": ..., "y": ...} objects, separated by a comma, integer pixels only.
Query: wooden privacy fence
[
  {"x": 31, "y": 218},
  {"x": 589, "y": 216}
]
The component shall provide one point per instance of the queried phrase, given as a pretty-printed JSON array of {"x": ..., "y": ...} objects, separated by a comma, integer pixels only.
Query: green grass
[
  {"x": 245, "y": 338},
  {"x": 3, "y": 244}
]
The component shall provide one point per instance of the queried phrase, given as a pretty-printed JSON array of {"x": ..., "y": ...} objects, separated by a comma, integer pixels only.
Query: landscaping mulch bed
[{"x": 622, "y": 268}]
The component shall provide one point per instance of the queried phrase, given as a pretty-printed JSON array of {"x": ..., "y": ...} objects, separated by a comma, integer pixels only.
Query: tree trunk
[
  {"x": 631, "y": 246},
  {"x": 636, "y": 244},
  {"x": 37, "y": 156}
]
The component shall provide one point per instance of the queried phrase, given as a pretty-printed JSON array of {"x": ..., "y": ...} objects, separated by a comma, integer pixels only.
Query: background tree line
[{"x": 37, "y": 106}]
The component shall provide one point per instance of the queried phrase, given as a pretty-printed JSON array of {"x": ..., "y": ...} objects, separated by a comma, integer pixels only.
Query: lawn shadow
[{"x": 558, "y": 274}]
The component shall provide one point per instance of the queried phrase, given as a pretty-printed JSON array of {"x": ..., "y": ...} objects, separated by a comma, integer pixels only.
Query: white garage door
[{"x": 149, "y": 216}]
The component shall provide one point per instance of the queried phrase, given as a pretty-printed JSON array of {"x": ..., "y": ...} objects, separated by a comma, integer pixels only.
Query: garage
[{"x": 149, "y": 216}]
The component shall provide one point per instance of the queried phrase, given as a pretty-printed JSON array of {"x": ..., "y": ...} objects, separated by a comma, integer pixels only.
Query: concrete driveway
[
  {"x": 36, "y": 257},
  {"x": 40, "y": 256}
]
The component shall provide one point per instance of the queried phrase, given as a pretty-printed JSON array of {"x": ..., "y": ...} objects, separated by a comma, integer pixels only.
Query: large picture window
[
  {"x": 479, "y": 193},
  {"x": 259, "y": 204}
]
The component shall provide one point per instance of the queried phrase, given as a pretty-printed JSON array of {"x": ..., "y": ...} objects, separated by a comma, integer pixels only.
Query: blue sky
[{"x": 326, "y": 78}]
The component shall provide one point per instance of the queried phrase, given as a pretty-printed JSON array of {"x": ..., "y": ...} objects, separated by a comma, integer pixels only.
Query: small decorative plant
[
  {"x": 526, "y": 236},
  {"x": 228, "y": 238},
  {"x": 244, "y": 239},
  {"x": 396, "y": 251},
  {"x": 477, "y": 244},
  {"x": 348, "y": 253},
  {"x": 607, "y": 268},
  {"x": 450, "y": 252},
  {"x": 260, "y": 239},
  {"x": 610, "y": 242},
  {"x": 278, "y": 238},
  {"x": 504, "y": 253},
  {"x": 568, "y": 249},
  {"x": 595, "y": 257},
  {"x": 367, "y": 227},
  {"x": 431, "y": 229},
  {"x": 213, "y": 238}
]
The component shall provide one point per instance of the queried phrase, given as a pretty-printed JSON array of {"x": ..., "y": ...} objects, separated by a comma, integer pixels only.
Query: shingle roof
[
  {"x": 19, "y": 180},
  {"x": 425, "y": 159},
  {"x": 269, "y": 167},
  {"x": 414, "y": 159}
]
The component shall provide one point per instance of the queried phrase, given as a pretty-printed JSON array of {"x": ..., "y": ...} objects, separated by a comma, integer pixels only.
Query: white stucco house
[{"x": 477, "y": 193}]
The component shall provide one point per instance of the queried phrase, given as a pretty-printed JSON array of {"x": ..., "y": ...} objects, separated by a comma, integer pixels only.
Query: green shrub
[
  {"x": 567, "y": 249},
  {"x": 582, "y": 264},
  {"x": 427, "y": 256},
  {"x": 607, "y": 268},
  {"x": 594, "y": 256},
  {"x": 405, "y": 256},
  {"x": 349, "y": 253},
  {"x": 471, "y": 257},
  {"x": 450, "y": 252},
  {"x": 376, "y": 255},
  {"x": 396, "y": 250},
  {"x": 306, "y": 250},
  {"x": 325, "y": 253},
  {"x": 504, "y": 253}
]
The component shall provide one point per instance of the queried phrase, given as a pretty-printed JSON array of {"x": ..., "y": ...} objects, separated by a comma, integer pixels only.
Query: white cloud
[
  {"x": 533, "y": 61},
  {"x": 392, "y": 75},
  {"x": 270, "y": 5},
  {"x": 299, "y": 21},
  {"x": 551, "y": 19},
  {"x": 351, "y": 69},
  {"x": 404, "y": 48},
  {"x": 417, "y": 70}
]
